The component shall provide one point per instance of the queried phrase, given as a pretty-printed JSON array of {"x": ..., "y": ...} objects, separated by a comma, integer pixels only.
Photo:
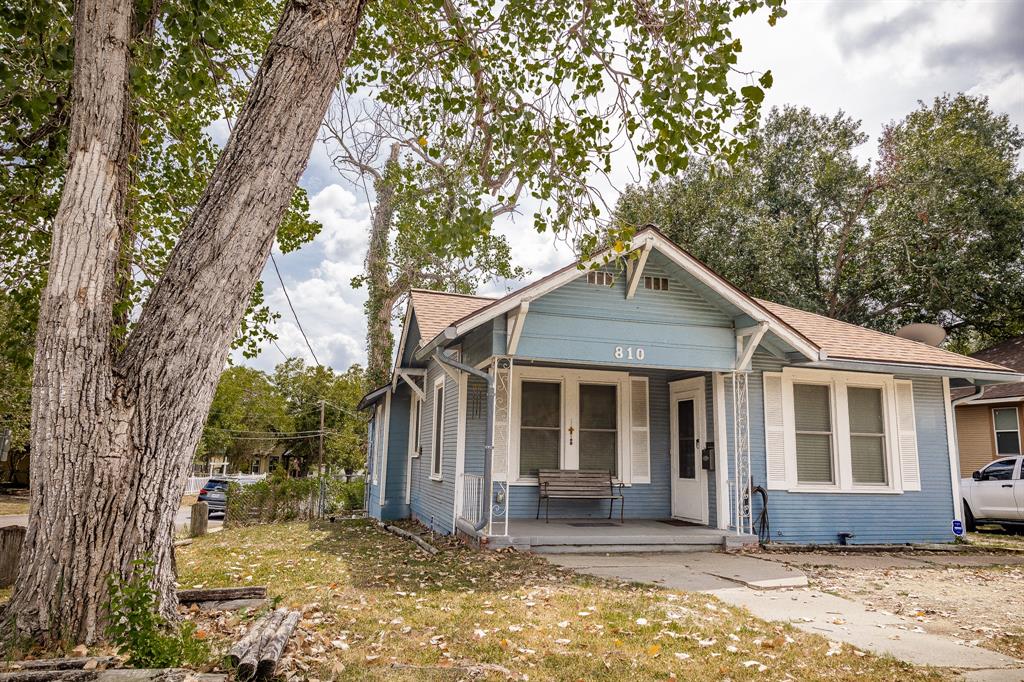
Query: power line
[{"x": 294, "y": 314}]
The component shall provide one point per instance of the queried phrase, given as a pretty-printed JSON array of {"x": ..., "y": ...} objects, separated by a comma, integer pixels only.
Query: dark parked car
[{"x": 215, "y": 494}]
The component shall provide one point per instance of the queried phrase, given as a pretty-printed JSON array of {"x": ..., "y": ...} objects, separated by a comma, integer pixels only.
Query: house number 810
[{"x": 629, "y": 353}]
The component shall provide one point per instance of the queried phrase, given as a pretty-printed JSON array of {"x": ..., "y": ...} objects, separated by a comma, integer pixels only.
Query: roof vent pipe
[{"x": 443, "y": 357}]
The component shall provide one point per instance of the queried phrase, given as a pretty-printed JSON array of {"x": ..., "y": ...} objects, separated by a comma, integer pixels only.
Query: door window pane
[
  {"x": 687, "y": 439},
  {"x": 599, "y": 428},
  {"x": 813, "y": 405},
  {"x": 867, "y": 435},
  {"x": 540, "y": 443}
]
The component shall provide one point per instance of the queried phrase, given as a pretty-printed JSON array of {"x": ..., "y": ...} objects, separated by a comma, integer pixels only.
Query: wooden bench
[{"x": 570, "y": 484}]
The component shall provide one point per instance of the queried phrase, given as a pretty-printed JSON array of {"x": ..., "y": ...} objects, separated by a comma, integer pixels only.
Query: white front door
[{"x": 687, "y": 422}]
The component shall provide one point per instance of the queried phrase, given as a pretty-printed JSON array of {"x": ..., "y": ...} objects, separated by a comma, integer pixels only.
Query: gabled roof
[
  {"x": 436, "y": 310},
  {"x": 842, "y": 340},
  {"x": 816, "y": 337}
]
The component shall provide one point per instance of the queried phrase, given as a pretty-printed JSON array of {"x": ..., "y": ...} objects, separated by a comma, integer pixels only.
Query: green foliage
[
  {"x": 279, "y": 498},
  {"x": 187, "y": 74},
  {"x": 140, "y": 632},
  {"x": 931, "y": 232},
  {"x": 497, "y": 101},
  {"x": 250, "y": 409}
]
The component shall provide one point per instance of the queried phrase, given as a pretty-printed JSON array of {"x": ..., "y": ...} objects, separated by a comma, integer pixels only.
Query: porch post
[
  {"x": 497, "y": 498},
  {"x": 741, "y": 452}
]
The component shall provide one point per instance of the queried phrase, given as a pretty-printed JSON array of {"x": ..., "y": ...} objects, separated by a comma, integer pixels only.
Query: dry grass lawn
[{"x": 375, "y": 608}]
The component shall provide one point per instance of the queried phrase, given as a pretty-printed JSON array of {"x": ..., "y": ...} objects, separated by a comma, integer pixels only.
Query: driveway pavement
[{"x": 774, "y": 591}]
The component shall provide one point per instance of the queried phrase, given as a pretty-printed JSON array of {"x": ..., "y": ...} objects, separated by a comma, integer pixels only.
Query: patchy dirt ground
[
  {"x": 375, "y": 608},
  {"x": 958, "y": 596}
]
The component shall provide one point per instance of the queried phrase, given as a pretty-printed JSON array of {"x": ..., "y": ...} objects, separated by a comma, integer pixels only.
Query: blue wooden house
[{"x": 715, "y": 411}]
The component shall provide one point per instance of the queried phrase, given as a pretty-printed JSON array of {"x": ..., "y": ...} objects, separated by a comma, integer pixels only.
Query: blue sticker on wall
[{"x": 958, "y": 528}]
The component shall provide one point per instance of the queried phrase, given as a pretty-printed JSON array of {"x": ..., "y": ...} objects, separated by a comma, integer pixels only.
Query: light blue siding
[
  {"x": 394, "y": 506},
  {"x": 432, "y": 500},
  {"x": 584, "y": 322},
  {"x": 920, "y": 516},
  {"x": 643, "y": 501}
]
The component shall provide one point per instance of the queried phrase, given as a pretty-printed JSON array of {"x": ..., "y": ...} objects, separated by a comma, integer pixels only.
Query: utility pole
[{"x": 320, "y": 463}]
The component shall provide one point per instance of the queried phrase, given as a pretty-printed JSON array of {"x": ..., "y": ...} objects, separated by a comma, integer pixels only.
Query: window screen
[
  {"x": 435, "y": 462},
  {"x": 813, "y": 405},
  {"x": 599, "y": 435},
  {"x": 867, "y": 436},
  {"x": 540, "y": 427}
]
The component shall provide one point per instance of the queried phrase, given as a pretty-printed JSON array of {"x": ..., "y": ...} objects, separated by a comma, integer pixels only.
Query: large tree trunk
[
  {"x": 113, "y": 435},
  {"x": 381, "y": 292}
]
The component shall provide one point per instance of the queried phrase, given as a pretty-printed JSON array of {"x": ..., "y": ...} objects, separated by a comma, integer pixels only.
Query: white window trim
[
  {"x": 838, "y": 383},
  {"x": 415, "y": 446},
  {"x": 570, "y": 380},
  {"x": 997, "y": 431},
  {"x": 437, "y": 431}
]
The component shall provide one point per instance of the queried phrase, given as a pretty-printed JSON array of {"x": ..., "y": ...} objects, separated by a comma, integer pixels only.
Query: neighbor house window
[
  {"x": 540, "y": 427},
  {"x": 813, "y": 417},
  {"x": 438, "y": 430},
  {"x": 656, "y": 283},
  {"x": 600, "y": 278},
  {"x": 599, "y": 433},
  {"x": 867, "y": 435},
  {"x": 1007, "y": 431}
]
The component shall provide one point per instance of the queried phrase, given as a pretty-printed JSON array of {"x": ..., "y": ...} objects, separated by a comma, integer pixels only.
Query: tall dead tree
[{"x": 115, "y": 423}]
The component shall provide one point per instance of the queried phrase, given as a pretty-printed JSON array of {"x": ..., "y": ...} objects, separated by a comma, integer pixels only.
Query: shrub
[
  {"x": 138, "y": 630},
  {"x": 279, "y": 498}
]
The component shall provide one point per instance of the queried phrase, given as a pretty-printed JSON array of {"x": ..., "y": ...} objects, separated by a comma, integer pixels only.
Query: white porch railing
[
  {"x": 472, "y": 498},
  {"x": 193, "y": 484}
]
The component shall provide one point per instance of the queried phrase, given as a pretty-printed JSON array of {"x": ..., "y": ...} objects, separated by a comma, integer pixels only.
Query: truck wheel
[{"x": 969, "y": 519}]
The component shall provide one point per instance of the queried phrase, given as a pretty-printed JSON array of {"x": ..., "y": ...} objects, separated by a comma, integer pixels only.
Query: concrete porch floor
[{"x": 609, "y": 536}]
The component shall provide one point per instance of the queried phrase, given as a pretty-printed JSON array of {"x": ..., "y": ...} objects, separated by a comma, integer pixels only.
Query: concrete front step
[{"x": 618, "y": 549}]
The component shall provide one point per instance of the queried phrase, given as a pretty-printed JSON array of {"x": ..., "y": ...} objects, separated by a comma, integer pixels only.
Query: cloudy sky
[{"x": 874, "y": 59}]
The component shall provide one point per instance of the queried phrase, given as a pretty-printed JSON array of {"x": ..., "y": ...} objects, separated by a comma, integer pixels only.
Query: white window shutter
[
  {"x": 906, "y": 435},
  {"x": 774, "y": 432},
  {"x": 640, "y": 431}
]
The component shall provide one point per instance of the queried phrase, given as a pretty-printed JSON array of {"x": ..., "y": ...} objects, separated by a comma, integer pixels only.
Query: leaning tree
[{"x": 116, "y": 418}]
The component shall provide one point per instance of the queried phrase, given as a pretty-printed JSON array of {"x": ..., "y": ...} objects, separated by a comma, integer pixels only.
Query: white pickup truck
[{"x": 995, "y": 494}]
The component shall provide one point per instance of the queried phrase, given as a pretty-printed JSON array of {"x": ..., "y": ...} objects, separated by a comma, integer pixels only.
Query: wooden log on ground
[
  {"x": 243, "y": 645},
  {"x": 272, "y": 650},
  {"x": 48, "y": 676},
  {"x": 222, "y": 594},
  {"x": 76, "y": 663},
  {"x": 231, "y": 604},
  {"x": 250, "y": 660},
  {"x": 200, "y": 520},
  {"x": 11, "y": 538},
  {"x": 118, "y": 675},
  {"x": 401, "y": 532}
]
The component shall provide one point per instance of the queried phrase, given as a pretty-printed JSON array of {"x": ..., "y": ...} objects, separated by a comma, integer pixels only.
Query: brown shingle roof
[
  {"x": 1009, "y": 353},
  {"x": 842, "y": 340},
  {"x": 435, "y": 310}
]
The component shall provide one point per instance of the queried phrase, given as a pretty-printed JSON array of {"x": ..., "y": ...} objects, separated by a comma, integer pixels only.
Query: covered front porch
[{"x": 563, "y": 536}]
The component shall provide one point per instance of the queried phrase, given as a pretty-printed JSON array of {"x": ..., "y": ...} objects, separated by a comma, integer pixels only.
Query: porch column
[
  {"x": 497, "y": 498},
  {"x": 740, "y": 482}
]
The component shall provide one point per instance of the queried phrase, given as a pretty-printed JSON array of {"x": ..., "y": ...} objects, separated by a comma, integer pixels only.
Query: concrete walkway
[{"x": 774, "y": 591}]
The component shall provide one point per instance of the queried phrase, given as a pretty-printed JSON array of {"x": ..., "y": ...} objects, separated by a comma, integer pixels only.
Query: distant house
[
  {"x": 687, "y": 391},
  {"x": 989, "y": 418}
]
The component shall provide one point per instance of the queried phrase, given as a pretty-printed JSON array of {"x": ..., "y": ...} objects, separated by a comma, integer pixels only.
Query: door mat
[
  {"x": 678, "y": 522},
  {"x": 596, "y": 524}
]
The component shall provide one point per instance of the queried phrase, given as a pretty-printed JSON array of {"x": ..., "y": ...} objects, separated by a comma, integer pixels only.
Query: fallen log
[
  {"x": 120, "y": 675},
  {"x": 222, "y": 594},
  {"x": 76, "y": 663},
  {"x": 231, "y": 604},
  {"x": 273, "y": 649},
  {"x": 243, "y": 645},
  {"x": 401, "y": 532},
  {"x": 250, "y": 660}
]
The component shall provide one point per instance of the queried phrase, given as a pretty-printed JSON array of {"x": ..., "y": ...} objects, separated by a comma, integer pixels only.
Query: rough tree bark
[
  {"x": 113, "y": 432},
  {"x": 381, "y": 291}
]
